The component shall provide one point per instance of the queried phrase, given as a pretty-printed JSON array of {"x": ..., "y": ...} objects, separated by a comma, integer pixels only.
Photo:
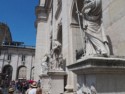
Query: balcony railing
[{"x": 17, "y": 44}]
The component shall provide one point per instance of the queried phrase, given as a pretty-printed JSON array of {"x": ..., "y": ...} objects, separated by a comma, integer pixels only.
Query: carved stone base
[
  {"x": 100, "y": 75},
  {"x": 69, "y": 93},
  {"x": 45, "y": 85},
  {"x": 69, "y": 89},
  {"x": 57, "y": 82}
]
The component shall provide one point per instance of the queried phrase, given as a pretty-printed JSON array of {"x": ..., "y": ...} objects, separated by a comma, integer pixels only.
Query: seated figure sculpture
[{"x": 96, "y": 40}]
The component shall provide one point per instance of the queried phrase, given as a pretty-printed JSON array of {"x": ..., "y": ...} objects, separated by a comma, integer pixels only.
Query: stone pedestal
[
  {"x": 45, "y": 83},
  {"x": 100, "y": 75},
  {"x": 69, "y": 93},
  {"x": 57, "y": 82}
]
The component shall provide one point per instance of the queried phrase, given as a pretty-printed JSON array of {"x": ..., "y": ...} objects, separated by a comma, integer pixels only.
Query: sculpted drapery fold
[{"x": 96, "y": 40}]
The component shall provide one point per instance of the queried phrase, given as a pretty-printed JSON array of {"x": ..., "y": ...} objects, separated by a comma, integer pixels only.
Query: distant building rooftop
[
  {"x": 5, "y": 34},
  {"x": 15, "y": 44}
]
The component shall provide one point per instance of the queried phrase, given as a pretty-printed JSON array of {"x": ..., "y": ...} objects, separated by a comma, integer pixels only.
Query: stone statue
[
  {"x": 93, "y": 90},
  {"x": 56, "y": 51},
  {"x": 89, "y": 90},
  {"x": 56, "y": 46},
  {"x": 44, "y": 64},
  {"x": 96, "y": 40},
  {"x": 86, "y": 90}
]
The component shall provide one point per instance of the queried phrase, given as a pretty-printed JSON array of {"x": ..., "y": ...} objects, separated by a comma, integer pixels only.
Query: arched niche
[
  {"x": 22, "y": 72},
  {"x": 7, "y": 72}
]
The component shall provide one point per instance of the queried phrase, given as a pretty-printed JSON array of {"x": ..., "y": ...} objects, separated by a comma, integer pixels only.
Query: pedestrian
[
  {"x": 34, "y": 88},
  {"x": 11, "y": 91},
  {"x": 39, "y": 90},
  {"x": 27, "y": 92},
  {"x": 39, "y": 83},
  {"x": 1, "y": 92}
]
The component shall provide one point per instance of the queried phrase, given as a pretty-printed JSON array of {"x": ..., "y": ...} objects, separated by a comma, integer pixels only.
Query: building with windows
[
  {"x": 67, "y": 21},
  {"x": 16, "y": 59}
]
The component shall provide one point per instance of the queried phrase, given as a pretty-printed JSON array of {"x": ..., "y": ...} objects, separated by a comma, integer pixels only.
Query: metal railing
[{"x": 21, "y": 46}]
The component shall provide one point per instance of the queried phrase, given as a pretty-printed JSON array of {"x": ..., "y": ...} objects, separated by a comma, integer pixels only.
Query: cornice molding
[
  {"x": 42, "y": 12},
  {"x": 98, "y": 65}
]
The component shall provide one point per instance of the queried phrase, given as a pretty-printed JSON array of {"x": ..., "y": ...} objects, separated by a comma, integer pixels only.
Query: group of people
[
  {"x": 22, "y": 87},
  {"x": 33, "y": 89}
]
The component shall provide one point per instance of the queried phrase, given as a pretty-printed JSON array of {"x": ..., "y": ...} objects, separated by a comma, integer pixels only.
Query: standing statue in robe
[
  {"x": 96, "y": 40},
  {"x": 56, "y": 51}
]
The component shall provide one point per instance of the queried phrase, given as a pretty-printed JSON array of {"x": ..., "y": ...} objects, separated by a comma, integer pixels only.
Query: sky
[{"x": 19, "y": 15}]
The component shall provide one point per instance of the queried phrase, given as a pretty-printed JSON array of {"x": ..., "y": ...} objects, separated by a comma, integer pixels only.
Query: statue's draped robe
[{"x": 96, "y": 41}]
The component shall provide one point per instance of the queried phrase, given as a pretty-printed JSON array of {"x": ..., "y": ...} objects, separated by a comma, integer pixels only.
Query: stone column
[
  {"x": 68, "y": 43},
  {"x": 42, "y": 43}
]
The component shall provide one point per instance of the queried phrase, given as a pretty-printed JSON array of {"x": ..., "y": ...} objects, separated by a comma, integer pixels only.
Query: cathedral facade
[{"x": 67, "y": 24}]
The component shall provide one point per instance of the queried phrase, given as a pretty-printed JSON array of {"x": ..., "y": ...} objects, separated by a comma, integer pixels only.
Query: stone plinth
[
  {"x": 99, "y": 74},
  {"x": 57, "y": 82},
  {"x": 45, "y": 85}
]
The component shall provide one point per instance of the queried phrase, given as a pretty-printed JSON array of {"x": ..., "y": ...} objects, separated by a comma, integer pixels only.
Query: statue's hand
[
  {"x": 85, "y": 27},
  {"x": 87, "y": 10},
  {"x": 105, "y": 42},
  {"x": 80, "y": 14}
]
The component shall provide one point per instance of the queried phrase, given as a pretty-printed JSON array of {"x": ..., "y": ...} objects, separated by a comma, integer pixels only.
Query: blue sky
[{"x": 19, "y": 15}]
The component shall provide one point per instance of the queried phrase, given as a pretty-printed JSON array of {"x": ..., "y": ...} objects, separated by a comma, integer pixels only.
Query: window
[
  {"x": 23, "y": 57},
  {"x": 9, "y": 57},
  {"x": 22, "y": 72}
]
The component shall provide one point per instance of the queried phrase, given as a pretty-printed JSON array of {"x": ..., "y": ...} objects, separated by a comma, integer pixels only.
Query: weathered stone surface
[
  {"x": 100, "y": 72},
  {"x": 46, "y": 83},
  {"x": 56, "y": 82},
  {"x": 114, "y": 18},
  {"x": 98, "y": 65}
]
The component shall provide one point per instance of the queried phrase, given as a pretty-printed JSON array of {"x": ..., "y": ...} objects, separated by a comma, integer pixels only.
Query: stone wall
[
  {"x": 16, "y": 60},
  {"x": 103, "y": 83},
  {"x": 114, "y": 20}
]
